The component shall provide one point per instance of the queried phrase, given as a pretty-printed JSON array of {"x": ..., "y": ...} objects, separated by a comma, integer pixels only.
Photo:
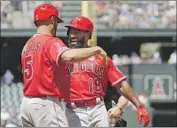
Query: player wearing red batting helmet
[
  {"x": 80, "y": 23},
  {"x": 45, "y": 11},
  {"x": 85, "y": 83},
  {"x": 41, "y": 56}
]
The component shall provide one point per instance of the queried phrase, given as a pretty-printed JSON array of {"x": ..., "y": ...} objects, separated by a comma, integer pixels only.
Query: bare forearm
[
  {"x": 127, "y": 91},
  {"x": 122, "y": 102},
  {"x": 74, "y": 55}
]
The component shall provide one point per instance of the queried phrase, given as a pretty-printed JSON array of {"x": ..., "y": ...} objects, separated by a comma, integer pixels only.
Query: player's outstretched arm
[
  {"x": 127, "y": 91},
  {"x": 122, "y": 102},
  {"x": 79, "y": 54}
]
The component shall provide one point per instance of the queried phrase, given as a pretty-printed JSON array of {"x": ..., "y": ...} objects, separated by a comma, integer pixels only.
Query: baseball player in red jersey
[
  {"x": 84, "y": 83},
  {"x": 42, "y": 105}
]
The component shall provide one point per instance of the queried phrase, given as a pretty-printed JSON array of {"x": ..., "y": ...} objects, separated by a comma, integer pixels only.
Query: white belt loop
[
  {"x": 73, "y": 105},
  {"x": 98, "y": 100},
  {"x": 49, "y": 98}
]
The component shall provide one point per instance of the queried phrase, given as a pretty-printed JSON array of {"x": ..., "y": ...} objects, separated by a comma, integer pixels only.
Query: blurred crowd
[
  {"x": 137, "y": 14},
  {"x": 134, "y": 58},
  {"x": 5, "y": 119},
  {"x": 11, "y": 97},
  {"x": 110, "y": 14},
  {"x": 19, "y": 14}
]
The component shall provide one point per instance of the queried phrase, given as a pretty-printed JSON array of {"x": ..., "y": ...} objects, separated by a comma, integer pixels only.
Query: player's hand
[
  {"x": 114, "y": 112},
  {"x": 143, "y": 115},
  {"x": 101, "y": 53}
]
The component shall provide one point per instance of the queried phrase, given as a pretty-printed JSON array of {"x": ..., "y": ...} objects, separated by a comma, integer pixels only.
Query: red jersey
[
  {"x": 88, "y": 79},
  {"x": 39, "y": 59}
]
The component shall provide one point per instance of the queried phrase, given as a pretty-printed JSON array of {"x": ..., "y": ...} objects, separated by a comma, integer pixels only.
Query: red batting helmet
[
  {"x": 81, "y": 23},
  {"x": 45, "y": 11}
]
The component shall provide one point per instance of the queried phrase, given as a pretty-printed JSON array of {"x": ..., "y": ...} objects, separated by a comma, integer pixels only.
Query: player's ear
[
  {"x": 90, "y": 35},
  {"x": 53, "y": 19},
  {"x": 68, "y": 31}
]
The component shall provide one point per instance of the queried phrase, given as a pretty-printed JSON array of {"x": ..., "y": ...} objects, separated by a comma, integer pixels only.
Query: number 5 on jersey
[{"x": 28, "y": 68}]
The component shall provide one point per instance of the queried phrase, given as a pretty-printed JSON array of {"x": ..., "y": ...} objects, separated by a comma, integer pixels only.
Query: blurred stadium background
[{"x": 139, "y": 36}]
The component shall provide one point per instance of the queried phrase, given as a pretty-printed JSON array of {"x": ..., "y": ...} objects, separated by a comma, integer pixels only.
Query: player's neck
[{"x": 44, "y": 30}]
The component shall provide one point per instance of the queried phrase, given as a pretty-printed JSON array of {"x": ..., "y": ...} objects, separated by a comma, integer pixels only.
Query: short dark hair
[{"x": 40, "y": 22}]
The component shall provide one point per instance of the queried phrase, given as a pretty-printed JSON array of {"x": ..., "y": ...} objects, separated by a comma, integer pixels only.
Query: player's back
[{"x": 38, "y": 75}]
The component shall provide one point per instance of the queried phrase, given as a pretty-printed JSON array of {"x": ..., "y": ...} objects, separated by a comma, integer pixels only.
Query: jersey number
[
  {"x": 28, "y": 68},
  {"x": 95, "y": 85}
]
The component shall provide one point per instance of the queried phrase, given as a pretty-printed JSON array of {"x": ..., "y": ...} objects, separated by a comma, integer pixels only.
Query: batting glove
[{"x": 143, "y": 115}]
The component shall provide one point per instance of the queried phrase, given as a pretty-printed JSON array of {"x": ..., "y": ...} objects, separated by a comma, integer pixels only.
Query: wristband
[{"x": 120, "y": 110}]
